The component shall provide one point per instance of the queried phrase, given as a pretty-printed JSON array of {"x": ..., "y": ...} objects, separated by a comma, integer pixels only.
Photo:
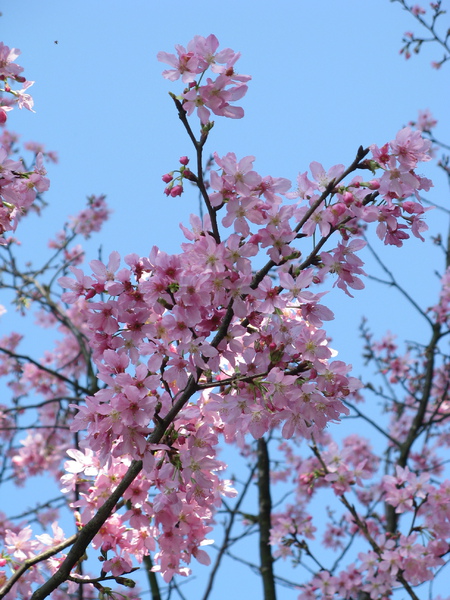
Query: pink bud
[
  {"x": 167, "y": 178},
  {"x": 306, "y": 478},
  {"x": 339, "y": 208},
  {"x": 348, "y": 198},
  {"x": 373, "y": 184},
  {"x": 3, "y": 117},
  {"x": 99, "y": 288},
  {"x": 184, "y": 160},
  {"x": 177, "y": 190},
  {"x": 409, "y": 206},
  {"x": 255, "y": 239}
]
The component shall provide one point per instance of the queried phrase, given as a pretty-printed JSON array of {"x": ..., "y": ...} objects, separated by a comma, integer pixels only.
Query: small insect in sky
[{"x": 56, "y": 41}]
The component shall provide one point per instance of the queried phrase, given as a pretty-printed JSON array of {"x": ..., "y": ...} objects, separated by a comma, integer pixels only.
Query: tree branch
[{"x": 265, "y": 516}]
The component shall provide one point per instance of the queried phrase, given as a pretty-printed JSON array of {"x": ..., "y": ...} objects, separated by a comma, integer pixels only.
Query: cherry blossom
[{"x": 162, "y": 358}]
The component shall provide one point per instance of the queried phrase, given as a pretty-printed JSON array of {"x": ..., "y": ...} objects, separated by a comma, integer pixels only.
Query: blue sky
[{"x": 327, "y": 77}]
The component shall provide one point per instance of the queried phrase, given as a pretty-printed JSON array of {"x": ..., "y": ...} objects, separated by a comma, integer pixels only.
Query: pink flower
[
  {"x": 7, "y": 67},
  {"x": 417, "y": 10},
  {"x": 25, "y": 100},
  {"x": 194, "y": 100},
  {"x": 177, "y": 190},
  {"x": 425, "y": 121},
  {"x": 324, "y": 178},
  {"x": 206, "y": 48},
  {"x": 19, "y": 544},
  {"x": 118, "y": 565},
  {"x": 81, "y": 286},
  {"x": 186, "y": 65},
  {"x": 305, "y": 188},
  {"x": 239, "y": 175},
  {"x": 410, "y": 147}
]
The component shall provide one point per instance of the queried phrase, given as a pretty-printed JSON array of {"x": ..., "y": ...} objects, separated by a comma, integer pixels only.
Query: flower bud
[
  {"x": 177, "y": 190},
  {"x": 373, "y": 184},
  {"x": 348, "y": 198}
]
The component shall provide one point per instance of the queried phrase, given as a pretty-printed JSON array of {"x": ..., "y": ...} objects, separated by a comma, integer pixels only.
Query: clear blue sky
[{"x": 327, "y": 77}]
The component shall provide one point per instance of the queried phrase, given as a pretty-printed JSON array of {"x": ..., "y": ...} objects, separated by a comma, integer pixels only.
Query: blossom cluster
[
  {"x": 428, "y": 18},
  {"x": 91, "y": 218},
  {"x": 352, "y": 474},
  {"x": 19, "y": 187},
  {"x": 9, "y": 75},
  {"x": 216, "y": 95},
  {"x": 175, "y": 182},
  {"x": 167, "y": 327},
  {"x": 401, "y": 514},
  {"x": 189, "y": 349}
]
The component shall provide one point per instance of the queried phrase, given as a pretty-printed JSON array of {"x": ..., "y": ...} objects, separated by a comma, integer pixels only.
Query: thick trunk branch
[{"x": 265, "y": 512}]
